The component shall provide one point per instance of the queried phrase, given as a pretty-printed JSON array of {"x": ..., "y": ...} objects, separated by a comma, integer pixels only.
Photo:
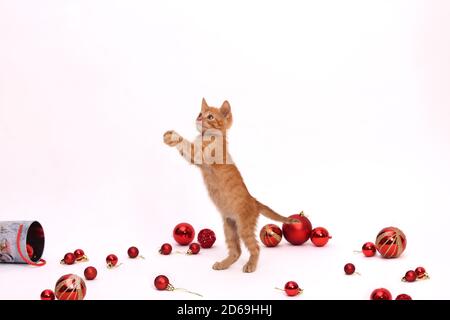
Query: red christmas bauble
[
  {"x": 166, "y": 249},
  {"x": 391, "y": 242},
  {"x": 47, "y": 295},
  {"x": 381, "y": 294},
  {"x": 299, "y": 232},
  {"x": 421, "y": 273},
  {"x": 69, "y": 258},
  {"x": 271, "y": 235},
  {"x": 161, "y": 282},
  {"x": 292, "y": 289},
  {"x": 90, "y": 273},
  {"x": 111, "y": 260},
  {"x": 206, "y": 238},
  {"x": 183, "y": 233},
  {"x": 70, "y": 287},
  {"x": 133, "y": 252},
  {"x": 349, "y": 268},
  {"x": 320, "y": 236},
  {"x": 410, "y": 276},
  {"x": 369, "y": 249},
  {"x": 403, "y": 296},
  {"x": 30, "y": 251},
  {"x": 194, "y": 248}
]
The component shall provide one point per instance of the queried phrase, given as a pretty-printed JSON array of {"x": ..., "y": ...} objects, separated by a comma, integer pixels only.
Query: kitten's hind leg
[
  {"x": 234, "y": 247},
  {"x": 247, "y": 235}
]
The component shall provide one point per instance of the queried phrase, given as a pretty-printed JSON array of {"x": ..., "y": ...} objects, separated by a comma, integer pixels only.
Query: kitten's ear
[
  {"x": 204, "y": 105},
  {"x": 225, "y": 109}
]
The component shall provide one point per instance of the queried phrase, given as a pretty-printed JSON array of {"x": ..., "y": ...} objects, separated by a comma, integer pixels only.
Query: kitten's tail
[{"x": 269, "y": 213}]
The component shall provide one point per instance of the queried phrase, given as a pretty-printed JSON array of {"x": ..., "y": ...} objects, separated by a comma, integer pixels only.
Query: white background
[{"x": 341, "y": 109}]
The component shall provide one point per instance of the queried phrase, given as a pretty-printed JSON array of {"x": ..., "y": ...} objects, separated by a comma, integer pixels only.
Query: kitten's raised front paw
[
  {"x": 171, "y": 138},
  {"x": 220, "y": 266},
  {"x": 249, "y": 267}
]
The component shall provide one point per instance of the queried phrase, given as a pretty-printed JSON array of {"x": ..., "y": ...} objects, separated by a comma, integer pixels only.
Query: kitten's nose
[{"x": 199, "y": 118}]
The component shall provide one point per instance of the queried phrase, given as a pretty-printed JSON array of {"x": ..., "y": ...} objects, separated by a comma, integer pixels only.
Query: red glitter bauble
[
  {"x": 70, "y": 287},
  {"x": 299, "y": 232},
  {"x": 270, "y": 235},
  {"x": 391, "y": 242},
  {"x": 183, "y": 233},
  {"x": 206, "y": 238}
]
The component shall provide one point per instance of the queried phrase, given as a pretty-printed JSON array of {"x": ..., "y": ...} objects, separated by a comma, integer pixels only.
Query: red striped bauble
[
  {"x": 390, "y": 242},
  {"x": 70, "y": 287},
  {"x": 271, "y": 235}
]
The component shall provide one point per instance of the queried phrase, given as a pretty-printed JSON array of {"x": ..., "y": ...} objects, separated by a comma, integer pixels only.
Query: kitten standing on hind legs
[{"x": 226, "y": 188}]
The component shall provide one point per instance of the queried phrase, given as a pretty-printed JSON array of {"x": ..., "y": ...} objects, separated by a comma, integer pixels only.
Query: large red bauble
[
  {"x": 299, "y": 232},
  {"x": 70, "y": 287},
  {"x": 183, "y": 233},
  {"x": 381, "y": 294},
  {"x": 206, "y": 238},
  {"x": 320, "y": 236},
  {"x": 391, "y": 242},
  {"x": 271, "y": 235}
]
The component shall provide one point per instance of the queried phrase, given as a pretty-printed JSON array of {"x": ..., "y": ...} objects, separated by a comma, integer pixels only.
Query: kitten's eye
[{"x": 210, "y": 117}]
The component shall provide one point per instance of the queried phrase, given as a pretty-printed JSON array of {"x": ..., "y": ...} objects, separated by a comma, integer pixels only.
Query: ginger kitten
[{"x": 224, "y": 182}]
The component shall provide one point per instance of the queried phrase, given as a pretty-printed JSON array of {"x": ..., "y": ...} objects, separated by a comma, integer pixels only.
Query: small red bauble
[
  {"x": 299, "y": 232},
  {"x": 271, "y": 235},
  {"x": 391, "y": 242},
  {"x": 166, "y": 249},
  {"x": 183, "y": 233},
  {"x": 194, "y": 248},
  {"x": 369, "y": 249},
  {"x": 162, "y": 283},
  {"x": 421, "y": 273},
  {"x": 349, "y": 268},
  {"x": 70, "y": 287},
  {"x": 111, "y": 260},
  {"x": 80, "y": 256},
  {"x": 403, "y": 296},
  {"x": 381, "y": 294},
  {"x": 320, "y": 236},
  {"x": 133, "y": 252},
  {"x": 206, "y": 238},
  {"x": 292, "y": 289},
  {"x": 30, "y": 251},
  {"x": 410, "y": 276},
  {"x": 90, "y": 273},
  {"x": 47, "y": 295},
  {"x": 69, "y": 258}
]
